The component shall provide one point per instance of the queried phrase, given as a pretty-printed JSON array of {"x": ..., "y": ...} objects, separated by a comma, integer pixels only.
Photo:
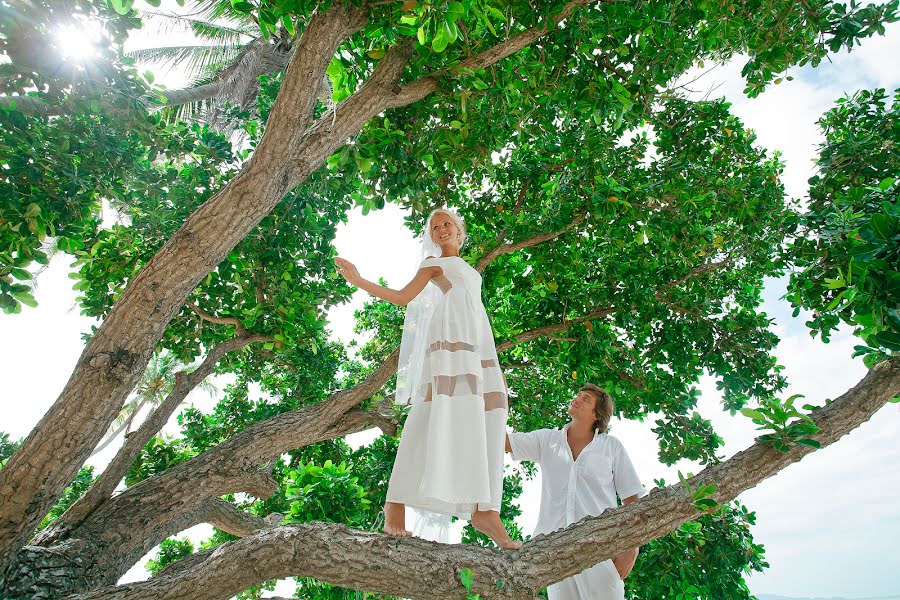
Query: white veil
[
  {"x": 415, "y": 328},
  {"x": 426, "y": 524}
]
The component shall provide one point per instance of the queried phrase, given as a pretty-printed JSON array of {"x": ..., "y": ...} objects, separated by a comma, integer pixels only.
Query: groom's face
[{"x": 582, "y": 406}]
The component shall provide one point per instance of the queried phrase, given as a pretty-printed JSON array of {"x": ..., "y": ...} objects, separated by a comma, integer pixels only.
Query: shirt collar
[{"x": 569, "y": 424}]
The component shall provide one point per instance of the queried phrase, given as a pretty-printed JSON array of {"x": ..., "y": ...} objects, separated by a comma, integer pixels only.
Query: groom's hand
[{"x": 625, "y": 562}]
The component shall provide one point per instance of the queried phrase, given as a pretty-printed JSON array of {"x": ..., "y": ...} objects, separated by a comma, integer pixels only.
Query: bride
[{"x": 450, "y": 458}]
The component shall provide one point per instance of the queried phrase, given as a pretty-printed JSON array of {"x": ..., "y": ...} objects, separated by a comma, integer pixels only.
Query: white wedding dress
[{"x": 450, "y": 458}]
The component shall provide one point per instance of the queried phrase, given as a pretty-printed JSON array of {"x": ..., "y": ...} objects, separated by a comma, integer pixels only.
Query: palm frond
[
  {"x": 209, "y": 388},
  {"x": 196, "y": 60},
  {"x": 213, "y": 10},
  {"x": 230, "y": 33}
]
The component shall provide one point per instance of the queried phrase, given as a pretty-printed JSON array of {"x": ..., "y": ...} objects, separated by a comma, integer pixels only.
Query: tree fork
[{"x": 421, "y": 569}]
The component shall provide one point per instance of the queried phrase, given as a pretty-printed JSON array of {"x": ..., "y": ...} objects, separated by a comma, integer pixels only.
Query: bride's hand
[{"x": 347, "y": 270}]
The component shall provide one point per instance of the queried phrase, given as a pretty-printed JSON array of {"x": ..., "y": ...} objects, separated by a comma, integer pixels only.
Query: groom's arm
[
  {"x": 624, "y": 562},
  {"x": 526, "y": 446}
]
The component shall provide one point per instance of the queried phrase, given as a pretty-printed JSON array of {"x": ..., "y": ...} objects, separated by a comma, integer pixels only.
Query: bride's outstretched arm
[{"x": 399, "y": 297}]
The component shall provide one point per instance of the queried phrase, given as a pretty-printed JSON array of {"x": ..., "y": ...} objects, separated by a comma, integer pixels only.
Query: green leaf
[
  {"x": 288, "y": 24},
  {"x": 465, "y": 577},
  {"x": 882, "y": 224},
  {"x": 705, "y": 504},
  {"x": 242, "y": 6},
  {"x": 441, "y": 39},
  {"x": 753, "y": 414},
  {"x": 20, "y": 274},
  {"x": 121, "y": 6},
  {"x": 25, "y": 298},
  {"x": 811, "y": 443},
  {"x": 889, "y": 340},
  {"x": 705, "y": 491}
]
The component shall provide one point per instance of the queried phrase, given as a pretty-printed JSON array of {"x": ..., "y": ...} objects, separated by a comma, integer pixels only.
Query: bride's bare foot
[
  {"x": 395, "y": 520},
  {"x": 488, "y": 522}
]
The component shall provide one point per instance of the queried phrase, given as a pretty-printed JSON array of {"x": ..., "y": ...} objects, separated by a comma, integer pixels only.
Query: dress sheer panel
[
  {"x": 466, "y": 385},
  {"x": 443, "y": 283},
  {"x": 450, "y": 347}
]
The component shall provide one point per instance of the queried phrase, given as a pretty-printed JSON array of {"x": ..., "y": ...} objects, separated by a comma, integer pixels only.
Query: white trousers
[{"x": 600, "y": 582}]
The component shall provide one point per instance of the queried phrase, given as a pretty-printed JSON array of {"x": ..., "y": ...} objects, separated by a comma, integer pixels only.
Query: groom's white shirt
[{"x": 573, "y": 489}]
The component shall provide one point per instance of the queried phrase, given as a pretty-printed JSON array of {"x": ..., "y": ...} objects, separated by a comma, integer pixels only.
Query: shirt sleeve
[
  {"x": 526, "y": 446},
  {"x": 624, "y": 475},
  {"x": 430, "y": 262}
]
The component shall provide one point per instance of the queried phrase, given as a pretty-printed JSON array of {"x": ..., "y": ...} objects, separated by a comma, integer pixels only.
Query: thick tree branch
[
  {"x": 161, "y": 506},
  {"x": 420, "y": 569},
  {"x": 546, "y": 330},
  {"x": 507, "y": 248},
  {"x": 230, "y": 519},
  {"x": 696, "y": 271}
]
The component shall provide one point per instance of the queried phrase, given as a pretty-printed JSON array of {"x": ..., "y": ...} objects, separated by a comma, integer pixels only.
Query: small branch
[
  {"x": 638, "y": 382},
  {"x": 205, "y": 316},
  {"x": 230, "y": 519},
  {"x": 698, "y": 270},
  {"x": 662, "y": 294},
  {"x": 520, "y": 198},
  {"x": 546, "y": 330},
  {"x": 508, "y": 248}
]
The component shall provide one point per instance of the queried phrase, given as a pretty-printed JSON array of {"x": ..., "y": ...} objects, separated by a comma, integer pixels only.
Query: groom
[{"x": 583, "y": 470}]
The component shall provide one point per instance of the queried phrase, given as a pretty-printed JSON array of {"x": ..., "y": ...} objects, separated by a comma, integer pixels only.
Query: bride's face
[{"x": 444, "y": 231}]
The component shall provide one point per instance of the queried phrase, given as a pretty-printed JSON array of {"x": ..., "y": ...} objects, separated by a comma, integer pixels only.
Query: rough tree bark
[
  {"x": 118, "y": 352},
  {"x": 420, "y": 569}
]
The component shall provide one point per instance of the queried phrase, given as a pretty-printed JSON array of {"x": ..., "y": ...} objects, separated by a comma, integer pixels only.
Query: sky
[{"x": 829, "y": 523}]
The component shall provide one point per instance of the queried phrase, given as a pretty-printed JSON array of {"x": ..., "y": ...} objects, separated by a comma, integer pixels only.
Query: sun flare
[{"x": 79, "y": 41}]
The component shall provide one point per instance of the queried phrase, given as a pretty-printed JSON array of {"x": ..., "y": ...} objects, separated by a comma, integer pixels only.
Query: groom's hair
[{"x": 603, "y": 409}]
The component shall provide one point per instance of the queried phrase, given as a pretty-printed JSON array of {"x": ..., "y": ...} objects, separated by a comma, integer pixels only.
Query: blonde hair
[
  {"x": 457, "y": 220},
  {"x": 603, "y": 408}
]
